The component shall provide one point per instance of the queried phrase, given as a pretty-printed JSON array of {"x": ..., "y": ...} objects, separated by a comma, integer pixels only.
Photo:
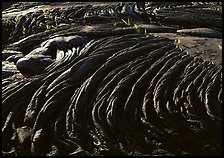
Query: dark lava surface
[{"x": 111, "y": 79}]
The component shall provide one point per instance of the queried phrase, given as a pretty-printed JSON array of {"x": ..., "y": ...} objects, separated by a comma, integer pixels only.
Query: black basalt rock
[{"x": 112, "y": 79}]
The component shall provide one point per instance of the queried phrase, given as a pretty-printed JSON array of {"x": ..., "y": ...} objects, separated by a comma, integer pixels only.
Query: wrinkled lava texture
[{"x": 109, "y": 78}]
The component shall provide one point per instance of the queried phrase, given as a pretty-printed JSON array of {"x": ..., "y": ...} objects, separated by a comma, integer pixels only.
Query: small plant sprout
[
  {"x": 48, "y": 26},
  {"x": 220, "y": 47},
  {"x": 136, "y": 26},
  {"x": 115, "y": 24},
  {"x": 54, "y": 27},
  {"x": 47, "y": 10},
  {"x": 124, "y": 21},
  {"x": 127, "y": 23},
  {"x": 24, "y": 30},
  {"x": 178, "y": 42},
  {"x": 56, "y": 23},
  {"x": 17, "y": 18}
]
